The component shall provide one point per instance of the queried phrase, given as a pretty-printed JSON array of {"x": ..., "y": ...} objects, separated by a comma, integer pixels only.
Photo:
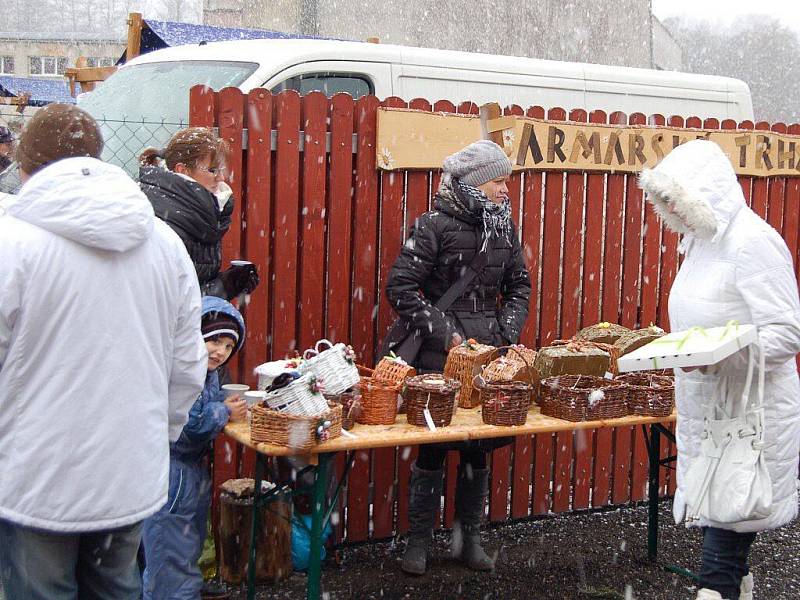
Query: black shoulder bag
[{"x": 403, "y": 339}]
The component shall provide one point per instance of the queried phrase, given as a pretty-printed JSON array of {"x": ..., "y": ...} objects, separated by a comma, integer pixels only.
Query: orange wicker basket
[
  {"x": 378, "y": 401},
  {"x": 464, "y": 362}
]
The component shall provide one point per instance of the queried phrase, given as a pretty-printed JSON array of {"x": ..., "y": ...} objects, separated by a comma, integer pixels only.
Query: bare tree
[{"x": 757, "y": 49}]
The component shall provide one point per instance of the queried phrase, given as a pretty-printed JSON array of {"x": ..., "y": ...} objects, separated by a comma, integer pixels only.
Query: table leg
[
  {"x": 313, "y": 589},
  {"x": 654, "y": 454},
  {"x": 256, "y": 527}
]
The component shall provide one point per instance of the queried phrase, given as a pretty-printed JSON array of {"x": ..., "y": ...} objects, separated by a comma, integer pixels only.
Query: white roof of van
[{"x": 275, "y": 55}]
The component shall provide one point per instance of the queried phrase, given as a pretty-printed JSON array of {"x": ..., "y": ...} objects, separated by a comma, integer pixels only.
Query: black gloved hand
[{"x": 239, "y": 279}]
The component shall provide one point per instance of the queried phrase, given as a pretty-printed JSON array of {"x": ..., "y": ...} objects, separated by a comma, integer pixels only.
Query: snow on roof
[
  {"x": 42, "y": 91},
  {"x": 163, "y": 34}
]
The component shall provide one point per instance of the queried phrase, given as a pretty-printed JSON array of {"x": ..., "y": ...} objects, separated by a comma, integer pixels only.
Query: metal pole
[
  {"x": 313, "y": 589},
  {"x": 654, "y": 452}
]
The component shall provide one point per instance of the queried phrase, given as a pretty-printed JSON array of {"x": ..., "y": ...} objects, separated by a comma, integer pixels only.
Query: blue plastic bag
[{"x": 301, "y": 541}]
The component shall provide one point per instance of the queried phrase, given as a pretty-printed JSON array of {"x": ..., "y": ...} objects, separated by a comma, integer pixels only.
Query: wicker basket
[
  {"x": 378, "y": 401},
  {"x": 514, "y": 366},
  {"x": 395, "y": 370},
  {"x": 505, "y": 402},
  {"x": 434, "y": 392},
  {"x": 351, "y": 406},
  {"x": 637, "y": 338},
  {"x": 300, "y": 397},
  {"x": 334, "y": 367},
  {"x": 603, "y": 333},
  {"x": 300, "y": 432},
  {"x": 464, "y": 362},
  {"x": 583, "y": 398},
  {"x": 649, "y": 395}
]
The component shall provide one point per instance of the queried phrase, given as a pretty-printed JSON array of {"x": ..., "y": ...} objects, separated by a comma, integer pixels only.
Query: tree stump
[{"x": 273, "y": 544}]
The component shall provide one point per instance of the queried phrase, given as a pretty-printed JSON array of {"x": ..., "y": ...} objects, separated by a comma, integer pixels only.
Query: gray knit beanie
[{"x": 478, "y": 163}]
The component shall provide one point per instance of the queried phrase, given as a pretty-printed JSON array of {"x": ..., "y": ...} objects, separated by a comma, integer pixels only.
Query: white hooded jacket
[
  {"x": 101, "y": 355},
  {"x": 736, "y": 267}
]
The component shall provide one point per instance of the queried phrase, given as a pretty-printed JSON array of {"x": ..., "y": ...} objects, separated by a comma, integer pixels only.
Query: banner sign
[{"x": 411, "y": 139}]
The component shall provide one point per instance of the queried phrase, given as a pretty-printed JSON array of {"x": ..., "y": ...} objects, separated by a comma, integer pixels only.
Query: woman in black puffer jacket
[
  {"x": 472, "y": 214},
  {"x": 191, "y": 196}
]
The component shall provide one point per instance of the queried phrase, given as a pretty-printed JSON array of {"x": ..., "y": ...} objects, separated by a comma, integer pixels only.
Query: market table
[{"x": 466, "y": 425}]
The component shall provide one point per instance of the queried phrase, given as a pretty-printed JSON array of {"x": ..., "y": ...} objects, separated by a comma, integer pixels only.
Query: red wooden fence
[{"x": 324, "y": 226}]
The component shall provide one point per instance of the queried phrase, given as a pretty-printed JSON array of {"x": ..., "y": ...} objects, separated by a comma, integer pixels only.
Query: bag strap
[{"x": 480, "y": 260}]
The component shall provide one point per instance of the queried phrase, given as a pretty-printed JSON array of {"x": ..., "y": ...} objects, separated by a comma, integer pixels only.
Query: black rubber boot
[
  {"x": 472, "y": 488},
  {"x": 425, "y": 492}
]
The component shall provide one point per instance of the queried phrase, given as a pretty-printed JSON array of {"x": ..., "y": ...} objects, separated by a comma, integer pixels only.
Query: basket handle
[
  {"x": 363, "y": 370},
  {"x": 520, "y": 354},
  {"x": 323, "y": 341}
]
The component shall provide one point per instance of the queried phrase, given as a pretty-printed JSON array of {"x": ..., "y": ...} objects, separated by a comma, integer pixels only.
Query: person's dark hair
[{"x": 188, "y": 146}]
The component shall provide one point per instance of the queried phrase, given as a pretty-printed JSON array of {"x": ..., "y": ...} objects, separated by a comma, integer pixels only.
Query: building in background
[
  {"x": 624, "y": 34},
  {"x": 45, "y": 55}
]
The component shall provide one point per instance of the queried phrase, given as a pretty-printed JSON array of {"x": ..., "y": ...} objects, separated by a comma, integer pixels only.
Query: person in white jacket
[
  {"x": 735, "y": 267},
  {"x": 101, "y": 358}
]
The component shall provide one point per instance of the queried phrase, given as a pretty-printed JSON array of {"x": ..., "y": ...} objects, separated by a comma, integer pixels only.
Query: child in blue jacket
[{"x": 173, "y": 537}]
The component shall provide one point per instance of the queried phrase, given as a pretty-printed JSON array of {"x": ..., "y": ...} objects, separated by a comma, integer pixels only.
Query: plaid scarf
[{"x": 496, "y": 217}]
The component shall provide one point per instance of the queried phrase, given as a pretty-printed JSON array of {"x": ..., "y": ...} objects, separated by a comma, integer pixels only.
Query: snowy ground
[{"x": 573, "y": 557}]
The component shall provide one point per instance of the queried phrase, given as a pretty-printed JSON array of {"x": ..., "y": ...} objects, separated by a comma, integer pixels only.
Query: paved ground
[{"x": 576, "y": 557}]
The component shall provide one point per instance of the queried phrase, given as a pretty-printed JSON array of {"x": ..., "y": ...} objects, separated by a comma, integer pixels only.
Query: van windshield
[{"x": 143, "y": 105}]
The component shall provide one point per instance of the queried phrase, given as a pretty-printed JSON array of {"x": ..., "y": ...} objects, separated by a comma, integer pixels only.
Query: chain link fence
[{"x": 124, "y": 139}]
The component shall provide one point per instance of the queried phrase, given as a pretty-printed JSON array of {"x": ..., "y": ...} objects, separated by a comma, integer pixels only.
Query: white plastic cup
[
  {"x": 234, "y": 389},
  {"x": 254, "y": 397}
]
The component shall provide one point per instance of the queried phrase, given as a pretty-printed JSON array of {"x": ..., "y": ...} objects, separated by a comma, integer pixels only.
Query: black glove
[{"x": 239, "y": 279}]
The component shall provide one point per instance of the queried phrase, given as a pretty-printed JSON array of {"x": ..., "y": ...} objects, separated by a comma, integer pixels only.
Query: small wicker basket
[
  {"x": 649, "y": 395},
  {"x": 583, "y": 398},
  {"x": 301, "y": 432},
  {"x": 514, "y": 366},
  {"x": 393, "y": 369},
  {"x": 506, "y": 402},
  {"x": 334, "y": 367},
  {"x": 300, "y": 397},
  {"x": 351, "y": 406},
  {"x": 433, "y": 392},
  {"x": 378, "y": 401},
  {"x": 464, "y": 362}
]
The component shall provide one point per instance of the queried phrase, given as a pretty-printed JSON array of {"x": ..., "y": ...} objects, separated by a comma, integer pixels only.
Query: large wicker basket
[
  {"x": 649, "y": 395},
  {"x": 378, "y": 401},
  {"x": 299, "y": 432},
  {"x": 433, "y": 392},
  {"x": 583, "y": 398},
  {"x": 300, "y": 397},
  {"x": 334, "y": 367},
  {"x": 464, "y": 362},
  {"x": 603, "y": 333}
]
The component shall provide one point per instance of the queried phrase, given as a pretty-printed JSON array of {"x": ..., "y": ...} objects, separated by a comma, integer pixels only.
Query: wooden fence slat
[
  {"x": 777, "y": 187},
  {"x": 761, "y": 184},
  {"x": 357, "y": 525},
  {"x": 632, "y": 255},
  {"x": 365, "y": 263},
  {"x": 313, "y": 216},
  {"x": 791, "y": 209},
  {"x": 499, "y": 484},
  {"x": 521, "y": 477},
  {"x": 562, "y": 471},
  {"x": 286, "y": 120},
  {"x": 542, "y": 473},
  {"x": 531, "y": 226},
  {"x": 339, "y": 213}
]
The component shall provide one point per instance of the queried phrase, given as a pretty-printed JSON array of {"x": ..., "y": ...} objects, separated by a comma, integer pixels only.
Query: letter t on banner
[{"x": 496, "y": 127}]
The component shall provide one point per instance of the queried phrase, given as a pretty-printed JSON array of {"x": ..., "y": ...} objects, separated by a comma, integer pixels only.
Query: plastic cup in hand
[
  {"x": 241, "y": 297},
  {"x": 234, "y": 389}
]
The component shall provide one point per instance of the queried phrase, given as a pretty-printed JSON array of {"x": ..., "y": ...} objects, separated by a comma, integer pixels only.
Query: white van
[{"x": 153, "y": 88}]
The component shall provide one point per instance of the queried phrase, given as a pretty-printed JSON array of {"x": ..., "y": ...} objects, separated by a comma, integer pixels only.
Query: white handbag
[{"x": 728, "y": 482}]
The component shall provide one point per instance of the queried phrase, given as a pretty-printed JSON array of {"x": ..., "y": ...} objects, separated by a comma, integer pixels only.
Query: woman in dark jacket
[
  {"x": 472, "y": 214},
  {"x": 191, "y": 196}
]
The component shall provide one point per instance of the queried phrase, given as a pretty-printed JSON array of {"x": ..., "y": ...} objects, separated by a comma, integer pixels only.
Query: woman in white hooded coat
[{"x": 735, "y": 267}]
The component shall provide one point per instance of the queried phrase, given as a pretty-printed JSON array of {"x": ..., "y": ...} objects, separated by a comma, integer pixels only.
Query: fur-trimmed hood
[{"x": 699, "y": 183}]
